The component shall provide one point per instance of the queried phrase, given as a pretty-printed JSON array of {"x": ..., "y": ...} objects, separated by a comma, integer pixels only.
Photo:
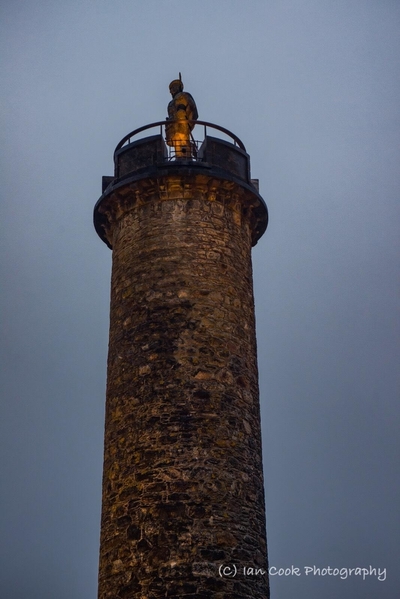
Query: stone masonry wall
[{"x": 182, "y": 487}]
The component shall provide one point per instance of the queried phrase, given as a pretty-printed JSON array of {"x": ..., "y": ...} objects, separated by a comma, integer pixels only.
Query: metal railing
[{"x": 187, "y": 150}]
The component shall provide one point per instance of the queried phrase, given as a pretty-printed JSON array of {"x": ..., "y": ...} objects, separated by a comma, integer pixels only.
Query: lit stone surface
[{"x": 182, "y": 487}]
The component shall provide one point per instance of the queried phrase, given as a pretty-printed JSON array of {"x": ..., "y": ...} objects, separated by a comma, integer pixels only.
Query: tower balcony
[{"x": 219, "y": 155}]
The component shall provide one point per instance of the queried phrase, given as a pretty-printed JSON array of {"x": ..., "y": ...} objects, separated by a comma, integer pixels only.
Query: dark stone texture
[{"x": 182, "y": 486}]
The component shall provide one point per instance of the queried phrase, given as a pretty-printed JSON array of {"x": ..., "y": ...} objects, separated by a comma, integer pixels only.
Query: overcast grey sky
[{"x": 312, "y": 89}]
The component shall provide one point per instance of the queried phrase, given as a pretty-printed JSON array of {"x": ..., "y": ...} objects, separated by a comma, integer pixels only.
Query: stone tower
[{"x": 183, "y": 500}]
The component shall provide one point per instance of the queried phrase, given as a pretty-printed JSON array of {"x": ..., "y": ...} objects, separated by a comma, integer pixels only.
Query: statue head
[{"x": 176, "y": 86}]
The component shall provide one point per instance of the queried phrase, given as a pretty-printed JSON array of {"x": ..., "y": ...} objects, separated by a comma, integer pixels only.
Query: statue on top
[{"x": 181, "y": 110}]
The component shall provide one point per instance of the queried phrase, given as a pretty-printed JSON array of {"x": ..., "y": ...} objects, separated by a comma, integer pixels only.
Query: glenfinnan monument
[{"x": 183, "y": 512}]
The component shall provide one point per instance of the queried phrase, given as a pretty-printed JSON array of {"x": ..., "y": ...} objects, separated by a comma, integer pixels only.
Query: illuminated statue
[{"x": 181, "y": 110}]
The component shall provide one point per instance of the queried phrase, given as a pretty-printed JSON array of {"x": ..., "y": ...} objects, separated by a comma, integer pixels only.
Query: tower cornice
[{"x": 180, "y": 182}]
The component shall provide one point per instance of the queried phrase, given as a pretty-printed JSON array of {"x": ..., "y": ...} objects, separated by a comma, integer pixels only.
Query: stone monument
[{"x": 183, "y": 498}]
